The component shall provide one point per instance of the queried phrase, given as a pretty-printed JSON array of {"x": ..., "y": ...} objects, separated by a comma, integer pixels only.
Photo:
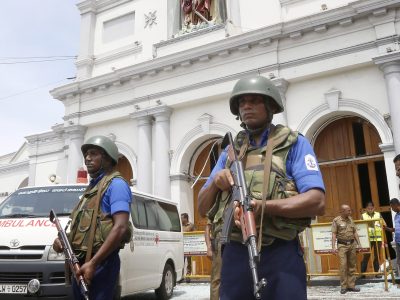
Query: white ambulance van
[{"x": 30, "y": 267}]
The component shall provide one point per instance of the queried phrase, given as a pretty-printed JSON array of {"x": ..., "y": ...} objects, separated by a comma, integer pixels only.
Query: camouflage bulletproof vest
[
  {"x": 82, "y": 219},
  {"x": 280, "y": 186}
]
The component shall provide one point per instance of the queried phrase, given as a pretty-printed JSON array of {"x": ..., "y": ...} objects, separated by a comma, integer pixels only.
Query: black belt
[{"x": 343, "y": 242}]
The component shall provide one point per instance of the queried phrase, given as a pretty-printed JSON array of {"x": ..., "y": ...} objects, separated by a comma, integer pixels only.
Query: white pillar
[
  {"x": 162, "y": 185},
  {"x": 75, "y": 138},
  {"x": 144, "y": 161},
  {"x": 390, "y": 65},
  {"x": 33, "y": 149},
  {"x": 84, "y": 62}
]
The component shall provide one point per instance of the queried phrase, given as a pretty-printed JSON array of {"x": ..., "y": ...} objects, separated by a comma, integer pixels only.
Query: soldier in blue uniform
[
  {"x": 109, "y": 196},
  {"x": 294, "y": 193}
]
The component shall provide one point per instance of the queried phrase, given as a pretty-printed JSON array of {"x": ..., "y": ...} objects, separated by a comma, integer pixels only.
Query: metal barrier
[
  {"x": 195, "y": 251},
  {"x": 317, "y": 245}
]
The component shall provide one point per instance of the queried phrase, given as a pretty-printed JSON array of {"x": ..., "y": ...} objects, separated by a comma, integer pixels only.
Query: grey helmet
[
  {"x": 255, "y": 85},
  {"x": 103, "y": 142}
]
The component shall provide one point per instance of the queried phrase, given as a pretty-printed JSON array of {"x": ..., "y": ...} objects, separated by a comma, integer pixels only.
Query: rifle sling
[
  {"x": 94, "y": 219},
  {"x": 267, "y": 171}
]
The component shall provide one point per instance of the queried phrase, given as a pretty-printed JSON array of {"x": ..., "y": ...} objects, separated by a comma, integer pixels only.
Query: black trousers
[{"x": 375, "y": 247}]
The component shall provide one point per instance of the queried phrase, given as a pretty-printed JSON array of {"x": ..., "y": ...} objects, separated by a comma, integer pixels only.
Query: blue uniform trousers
[
  {"x": 104, "y": 280},
  {"x": 281, "y": 264}
]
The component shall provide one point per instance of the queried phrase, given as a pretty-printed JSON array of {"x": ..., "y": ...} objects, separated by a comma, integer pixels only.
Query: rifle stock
[
  {"x": 70, "y": 257},
  {"x": 240, "y": 195}
]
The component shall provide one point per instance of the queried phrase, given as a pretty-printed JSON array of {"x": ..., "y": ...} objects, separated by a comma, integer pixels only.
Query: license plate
[{"x": 13, "y": 288}]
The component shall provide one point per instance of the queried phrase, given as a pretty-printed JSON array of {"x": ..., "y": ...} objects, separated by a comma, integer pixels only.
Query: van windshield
[{"x": 37, "y": 202}]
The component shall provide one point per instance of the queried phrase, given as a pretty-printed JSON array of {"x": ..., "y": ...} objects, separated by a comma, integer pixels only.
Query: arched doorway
[
  {"x": 353, "y": 168},
  {"x": 203, "y": 166},
  {"x": 125, "y": 168}
]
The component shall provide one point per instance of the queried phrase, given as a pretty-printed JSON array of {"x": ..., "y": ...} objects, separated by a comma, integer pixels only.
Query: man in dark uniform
[
  {"x": 108, "y": 196},
  {"x": 294, "y": 192},
  {"x": 344, "y": 231}
]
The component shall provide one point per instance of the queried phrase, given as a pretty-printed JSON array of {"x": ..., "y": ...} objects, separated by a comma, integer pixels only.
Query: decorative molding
[
  {"x": 321, "y": 28},
  {"x": 288, "y": 64},
  {"x": 387, "y": 147},
  {"x": 180, "y": 177},
  {"x": 205, "y": 121},
  {"x": 220, "y": 48},
  {"x": 387, "y": 58},
  {"x": 189, "y": 142},
  {"x": 155, "y": 111},
  {"x": 150, "y": 19},
  {"x": 322, "y": 113},
  {"x": 84, "y": 61},
  {"x": 161, "y": 113},
  {"x": 75, "y": 131},
  {"x": 332, "y": 99},
  {"x": 346, "y": 22},
  {"x": 99, "y": 5},
  {"x": 118, "y": 53},
  {"x": 190, "y": 35},
  {"x": 87, "y": 6},
  {"x": 288, "y": 2},
  {"x": 226, "y": 46},
  {"x": 15, "y": 167}
]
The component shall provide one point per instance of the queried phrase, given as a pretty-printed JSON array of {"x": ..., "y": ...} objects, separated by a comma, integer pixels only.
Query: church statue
[{"x": 197, "y": 14}]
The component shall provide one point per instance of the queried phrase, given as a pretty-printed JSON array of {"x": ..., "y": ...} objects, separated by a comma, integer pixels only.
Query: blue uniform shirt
[
  {"x": 397, "y": 228},
  {"x": 118, "y": 196},
  {"x": 301, "y": 165}
]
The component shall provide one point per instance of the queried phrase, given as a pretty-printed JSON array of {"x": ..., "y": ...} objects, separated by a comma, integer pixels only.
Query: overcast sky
[{"x": 34, "y": 30}]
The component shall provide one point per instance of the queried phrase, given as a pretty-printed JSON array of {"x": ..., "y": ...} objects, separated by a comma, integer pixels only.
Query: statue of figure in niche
[{"x": 197, "y": 14}]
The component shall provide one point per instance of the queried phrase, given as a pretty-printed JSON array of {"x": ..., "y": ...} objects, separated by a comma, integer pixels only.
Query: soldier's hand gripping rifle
[
  {"x": 241, "y": 195},
  {"x": 70, "y": 256}
]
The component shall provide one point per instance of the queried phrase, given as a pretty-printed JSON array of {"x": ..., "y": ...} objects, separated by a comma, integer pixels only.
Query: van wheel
[{"x": 166, "y": 288}]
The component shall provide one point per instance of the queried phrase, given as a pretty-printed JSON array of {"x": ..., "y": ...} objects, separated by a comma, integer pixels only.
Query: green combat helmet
[
  {"x": 255, "y": 85},
  {"x": 103, "y": 142}
]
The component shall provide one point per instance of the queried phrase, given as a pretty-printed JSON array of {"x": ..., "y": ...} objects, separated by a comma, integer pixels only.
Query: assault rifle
[
  {"x": 247, "y": 223},
  {"x": 70, "y": 256}
]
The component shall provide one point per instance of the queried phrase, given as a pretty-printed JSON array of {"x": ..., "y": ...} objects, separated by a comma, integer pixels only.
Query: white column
[
  {"x": 84, "y": 62},
  {"x": 144, "y": 161},
  {"x": 390, "y": 65},
  {"x": 162, "y": 185},
  {"x": 33, "y": 149},
  {"x": 75, "y": 137}
]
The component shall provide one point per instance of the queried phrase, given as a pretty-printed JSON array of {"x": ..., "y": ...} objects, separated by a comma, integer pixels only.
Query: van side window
[
  {"x": 155, "y": 215},
  {"x": 152, "y": 218},
  {"x": 139, "y": 213},
  {"x": 168, "y": 217}
]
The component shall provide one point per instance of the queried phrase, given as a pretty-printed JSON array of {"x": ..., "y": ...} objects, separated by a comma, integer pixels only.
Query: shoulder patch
[{"x": 311, "y": 162}]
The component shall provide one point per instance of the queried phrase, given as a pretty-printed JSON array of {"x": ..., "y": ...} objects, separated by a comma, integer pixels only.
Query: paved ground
[
  {"x": 329, "y": 288},
  {"x": 320, "y": 288}
]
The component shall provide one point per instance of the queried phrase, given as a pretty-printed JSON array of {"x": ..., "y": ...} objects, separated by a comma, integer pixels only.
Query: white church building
[{"x": 156, "y": 76}]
